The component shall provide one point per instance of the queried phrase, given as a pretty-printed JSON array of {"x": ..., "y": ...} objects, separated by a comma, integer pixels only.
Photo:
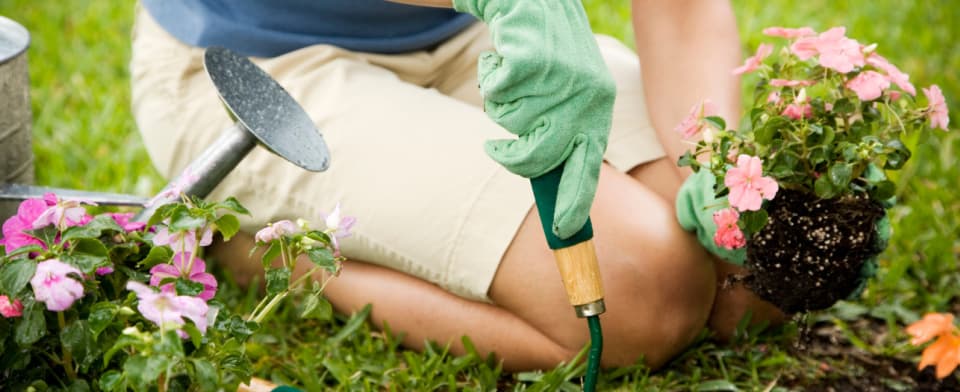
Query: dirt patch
[
  {"x": 811, "y": 252},
  {"x": 854, "y": 369}
]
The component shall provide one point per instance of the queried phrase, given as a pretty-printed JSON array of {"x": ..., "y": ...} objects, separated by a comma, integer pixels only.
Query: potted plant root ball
[{"x": 799, "y": 194}]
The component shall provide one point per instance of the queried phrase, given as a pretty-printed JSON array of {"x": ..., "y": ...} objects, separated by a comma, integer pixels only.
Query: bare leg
[{"x": 659, "y": 289}]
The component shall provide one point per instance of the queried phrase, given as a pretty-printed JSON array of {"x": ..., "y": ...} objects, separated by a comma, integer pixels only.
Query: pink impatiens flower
[
  {"x": 52, "y": 286},
  {"x": 752, "y": 63},
  {"x": 897, "y": 77},
  {"x": 338, "y": 226},
  {"x": 181, "y": 269},
  {"x": 693, "y": 123},
  {"x": 748, "y": 186},
  {"x": 64, "y": 213},
  {"x": 790, "y": 83},
  {"x": 275, "y": 230},
  {"x": 167, "y": 309},
  {"x": 14, "y": 229},
  {"x": 728, "y": 234},
  {"x": 789, "y": 33},
  {"x": 182, "y": 241},
  {"x": 838, "y": 52},
  {"x": 173, "y": 191},
  {"x": 9, "y": 308},
  {"x": 798, "y": 110},
  {"x": 868, "y": 85},
  {"x": 123, "y": 219},
  {"x": 937, "y": 111}
]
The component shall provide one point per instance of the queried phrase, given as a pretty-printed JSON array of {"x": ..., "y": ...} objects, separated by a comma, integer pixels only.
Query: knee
[{"x": 659, "y": 301}]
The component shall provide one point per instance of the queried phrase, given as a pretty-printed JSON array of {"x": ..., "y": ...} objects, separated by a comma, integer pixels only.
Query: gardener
[{"x": 447, "y": 242}]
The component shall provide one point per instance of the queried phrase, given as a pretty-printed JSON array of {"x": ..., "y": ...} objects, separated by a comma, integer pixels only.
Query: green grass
[{"x": 85, "y": 137}]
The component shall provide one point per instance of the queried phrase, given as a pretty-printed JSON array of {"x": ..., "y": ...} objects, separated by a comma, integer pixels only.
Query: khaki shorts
[{"x": 406, "y": 137}]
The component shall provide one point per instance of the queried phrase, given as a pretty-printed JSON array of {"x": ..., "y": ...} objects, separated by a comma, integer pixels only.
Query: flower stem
[
  {"x": 67, "y": 357},
  {"x": 259, "y": 317}
]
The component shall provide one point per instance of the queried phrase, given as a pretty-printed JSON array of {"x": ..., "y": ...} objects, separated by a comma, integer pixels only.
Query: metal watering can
[{"x": 263, "y": 113}]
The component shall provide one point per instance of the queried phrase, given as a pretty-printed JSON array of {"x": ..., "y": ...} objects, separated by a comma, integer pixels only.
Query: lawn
[{"x": 85, "y": 137}]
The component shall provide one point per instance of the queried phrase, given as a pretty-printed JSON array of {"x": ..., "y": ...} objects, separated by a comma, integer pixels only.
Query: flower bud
[
  {"x": 869, "y": 48},
  {"x": 126, "y": 311},
  {"x": 708, "y": 135},
  {"x": 303, "y": 224},
  {"x": 132, "y": 331},
  {"x": 802, "y": 97}
]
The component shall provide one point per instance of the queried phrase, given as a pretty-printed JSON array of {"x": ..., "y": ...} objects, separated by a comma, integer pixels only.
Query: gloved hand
[
  {"x": 696, "y": 203},
  {"x": 548, "y": 84}
]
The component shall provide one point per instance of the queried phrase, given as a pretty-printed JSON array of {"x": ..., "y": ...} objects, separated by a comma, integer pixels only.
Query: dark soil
[
  {"x": 861, "y": 371},
  {"x": 811, "y": 252}
]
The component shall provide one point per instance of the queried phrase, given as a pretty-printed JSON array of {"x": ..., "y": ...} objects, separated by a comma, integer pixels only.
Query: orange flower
[
  {"x": 931, "y": 326},
  {"x": 944, "y": 353}
]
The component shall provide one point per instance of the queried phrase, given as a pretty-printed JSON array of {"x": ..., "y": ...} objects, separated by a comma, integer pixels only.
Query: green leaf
[
  {"x": 101, "y": 314},
  {"x": 93, "y": 229},
  {"x": 143, "y": 371},
  {"x": 237, "y": 326},
  {"x": 844, "y": 106},
  {"x": 898, "y": 155},
  {"x": 278, "y": 279},
  {"x": 188, "y": 287},
  {"x": 113, "y": 381},
  {"x": 122, "y": 342},
  {"x": 32, "y": 326},
  {"x": 157, "y": 255},
  {"x": 205, "y": 374},
  {"x": 687, "y": 159},
  {"x": 183, "y": 220},
  {"x": 15, "y": 275},
  {"x": 716, "y": 122},
  {"x": 163, "y": 212},
  {"x": 87, "y": 254},
  {"x": 25, "y": 250},
  {"x": 355, "y": 322},
  {"x": 717, "y": 385},
  {"x": 272, "y": 253},
  {"x": 233, "y": 205},
  {"x": 824, "y": 188},
  {"x": 752, "y": 221},
  {"x": 322, "y": 257},
  {"x": 315, "y": 306},
  {"x": 79, "y": 386},
  {"x": 196, "y": 337},
  {"x": 883, "y": 190},
  {"x": 840, "y": 174},
  {"x": 228, "y": 225},
  {"x": 77, "y": 338}
]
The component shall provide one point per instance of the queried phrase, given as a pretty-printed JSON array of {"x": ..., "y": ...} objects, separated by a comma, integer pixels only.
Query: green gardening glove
[
  {"x": 696, "y": 203},
  {"x": 548, "y": 84}
]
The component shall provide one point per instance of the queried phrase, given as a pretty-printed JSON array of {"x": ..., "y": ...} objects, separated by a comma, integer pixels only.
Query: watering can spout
[{"x": 263, "y": 113}]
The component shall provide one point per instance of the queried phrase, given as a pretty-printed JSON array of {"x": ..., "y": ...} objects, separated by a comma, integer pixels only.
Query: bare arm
[
  {"x": 428, "y": 3},
  {"x": 687, "y": 49}
]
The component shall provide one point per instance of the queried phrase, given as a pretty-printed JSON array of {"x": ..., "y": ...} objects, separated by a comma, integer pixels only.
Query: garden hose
[{"x": 577, "y": 261}]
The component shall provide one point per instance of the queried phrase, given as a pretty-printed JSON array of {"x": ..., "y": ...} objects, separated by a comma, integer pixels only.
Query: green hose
[{"x": 593, "y": 357}]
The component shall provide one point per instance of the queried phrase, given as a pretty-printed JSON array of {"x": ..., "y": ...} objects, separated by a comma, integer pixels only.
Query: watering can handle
[{"x": 576, "y": 257}]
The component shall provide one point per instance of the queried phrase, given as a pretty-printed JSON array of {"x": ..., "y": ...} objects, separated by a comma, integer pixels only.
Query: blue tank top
[{"x": 267, "y": 28}]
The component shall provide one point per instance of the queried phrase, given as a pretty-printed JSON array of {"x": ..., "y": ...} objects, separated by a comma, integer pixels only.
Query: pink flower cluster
[
  {"x": 748, "y": 188},
  {"x": 55, "y": 283},
  {"x": 833, "y": 50}
]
